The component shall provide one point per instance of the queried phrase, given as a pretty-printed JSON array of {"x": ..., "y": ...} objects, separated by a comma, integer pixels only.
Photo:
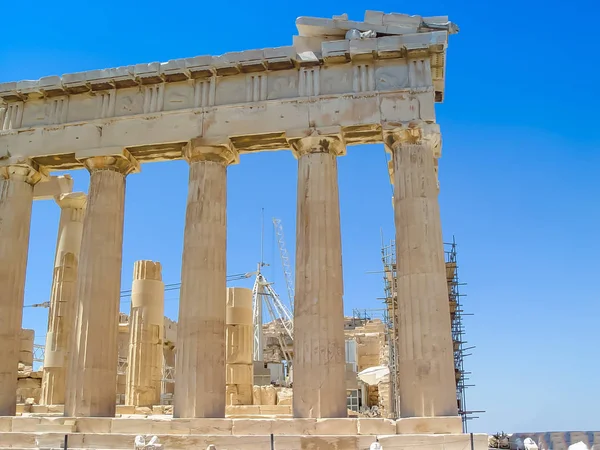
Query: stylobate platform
[{"x": 30, "y": 432}]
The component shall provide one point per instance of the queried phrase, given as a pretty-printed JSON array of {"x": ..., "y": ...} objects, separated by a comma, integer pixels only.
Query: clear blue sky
[{"x": 519, "y": 178}]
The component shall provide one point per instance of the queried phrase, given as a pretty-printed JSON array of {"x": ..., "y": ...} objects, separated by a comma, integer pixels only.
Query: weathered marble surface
[{"x": 255, "y": 99}]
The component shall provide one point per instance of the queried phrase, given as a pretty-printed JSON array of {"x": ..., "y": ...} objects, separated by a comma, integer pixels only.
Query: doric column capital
[
  {"x": 317, "y": 141},
  {"x": 72, "y": 200},
  {"x": 426, "y": 133},
  {"x": 113, "y": 159},
  {"x": 22, "y": 169},
  {"x": 217, "y": 150}
]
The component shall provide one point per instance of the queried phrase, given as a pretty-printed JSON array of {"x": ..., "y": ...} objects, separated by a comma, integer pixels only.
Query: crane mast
[{"x": 285, "y": 261}]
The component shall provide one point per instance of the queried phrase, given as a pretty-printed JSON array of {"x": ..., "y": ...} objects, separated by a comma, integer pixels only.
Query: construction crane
[
  {"x": 285, "y": 261},
  {"x": 263, "y": 294},
  {"x": 38, "y": 305}
]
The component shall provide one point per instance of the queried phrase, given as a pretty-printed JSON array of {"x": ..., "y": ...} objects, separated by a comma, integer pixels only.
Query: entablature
[
  {"x": 390, "y": 36},
  {"x": 339, "y": 73}
]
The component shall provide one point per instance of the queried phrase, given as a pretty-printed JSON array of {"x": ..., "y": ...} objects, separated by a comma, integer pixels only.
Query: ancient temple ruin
[{"x": 341, "y": 83}]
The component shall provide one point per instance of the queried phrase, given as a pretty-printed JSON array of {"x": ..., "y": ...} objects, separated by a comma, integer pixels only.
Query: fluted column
[
  {"x": 239, "y": 341},
  {"x": 200, "y": 361},
  {"x": 319, "y": 347},
  {"x": 425, "y": 358},
  {"x": 16, "y": 196},
  {"x": 92, "y": 377},
  {"x": 146, "y": 327},
  {"x": 63, "y": 297}
]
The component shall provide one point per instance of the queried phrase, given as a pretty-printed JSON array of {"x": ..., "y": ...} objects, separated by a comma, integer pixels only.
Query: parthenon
[{"x": 341, "y": 83}]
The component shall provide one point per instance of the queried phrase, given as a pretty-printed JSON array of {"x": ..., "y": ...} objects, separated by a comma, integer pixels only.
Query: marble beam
[
  {"x": 91, "y": 381},
  {"x": 63, "y": 297},
  {"x": 146, "y": 328},
  {"x": 200, "y": 362},
  {"x": 53, "y": 187},
  {"x": 17, "y": 182},
  {"x": 319, "y": 343},
  {"x": 239, "y": 341},
  {"x": 425, "y": 355}
]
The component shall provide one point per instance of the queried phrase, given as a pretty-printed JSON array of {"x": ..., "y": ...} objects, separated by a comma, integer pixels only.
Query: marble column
[
  {"x": 146, "y": 328},
  {"x": 425, "y": 358},
  {"x": 92, "y": 372},
  {"x": 16, "y": 197},
  {"x": 200, "y": 360},
  {"x": 319, "y": 343},
  {"x": 239, "y": 336},
  {"x": 63, "y": 297}
]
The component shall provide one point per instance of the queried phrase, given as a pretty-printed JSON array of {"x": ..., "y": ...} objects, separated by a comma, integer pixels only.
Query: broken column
[
  {"x": 200, "y": 362},
  {"x": 146, "y": 324},
  {"x": 92, "y": 376},
  {"x": 63, "y": 297},
  {"x": 17, "y": 179},
  {"x": 239, "y": 340},
  {"x": 26, "y": 348},
  {"x": 425, "y": 357},
  {"x": 319, "y": 343}
]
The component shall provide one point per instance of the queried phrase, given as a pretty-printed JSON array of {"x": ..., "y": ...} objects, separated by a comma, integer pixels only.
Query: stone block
[
  {"x": 133, "y": 426},
  {"x": 125, "y": 409},
  {"x": 268, "y": 395},
  {"x": 173, "y": 441},
  {"x": 28, "y": 383},
  {"x": 376, "y": 426},
  {"x": 5, "y": 424},
  {"x": 158, "y": 410},
  {"x": 285, "y": 427},
  {"x": 25, "y": 424},
  {"x": 165, "y": 426},
  {"x": 429, "y": 425},
  {"x": 252, "y": 427},
  {"x": 256, "y": 395},
  {"x": 64, "y": 425},
  {"x": 143, "y": 410},
  {"x": 284, "y": 396},
  {"x": 238, "y": 374},
  {"x": 105, "y": 441},
  {"x": 51, "y": 440},
  {"x": 336, "y": 427},
  {"x": 322, "y": 443},
  {"x": 203, "y": 426},
  {"x": 17, "y": 440},
  {"x": 239, "y": 394},
  {"x": 275, "y": 410},
  {"x": 294, "y": 426},
  {"x": 429, "y": 442},
  {"x": 91, "y": 425},
  {"x": 242, "y": 410},
  {"x": 238, "y": 442},
  {"x": 49, "y": 409}
]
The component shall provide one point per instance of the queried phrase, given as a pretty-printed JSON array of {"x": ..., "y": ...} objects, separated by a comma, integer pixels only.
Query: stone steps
[
  {"x": 160, "y": 425},
  {"x": 104, "y": 433},
  {"x": 116, "y": 441}
]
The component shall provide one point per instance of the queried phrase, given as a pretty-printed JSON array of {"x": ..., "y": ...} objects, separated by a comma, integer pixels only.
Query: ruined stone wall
[
  {"x": 29, "y": 382},
  {"x": 372, "y": 349}
]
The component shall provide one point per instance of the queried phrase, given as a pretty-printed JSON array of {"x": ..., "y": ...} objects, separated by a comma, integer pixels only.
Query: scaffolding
[
  {"x": 388, "y": 258},
  {"x": 461, "y": 351},
  {"x": 388, "y": 255}
]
